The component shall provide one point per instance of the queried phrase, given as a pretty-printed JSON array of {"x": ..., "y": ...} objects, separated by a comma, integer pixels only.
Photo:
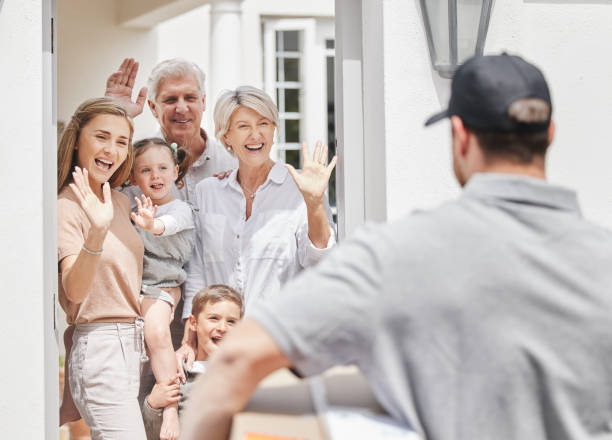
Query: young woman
[{"x": 100, "y": 257}]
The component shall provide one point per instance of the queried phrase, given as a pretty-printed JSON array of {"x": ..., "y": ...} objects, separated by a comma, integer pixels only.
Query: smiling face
[
  {"x": 179, "y": 107},
  {"x": 102, "y": 146},
  {"x": 212, "y": 324},
  {"x": 251, "y": 137},
  {"x": 154, "y": 172}
]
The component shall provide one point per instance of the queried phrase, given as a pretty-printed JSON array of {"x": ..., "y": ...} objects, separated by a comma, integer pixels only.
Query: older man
[
  {"x": 177, "y": 98},
  {"x": 487, "y": 318}
]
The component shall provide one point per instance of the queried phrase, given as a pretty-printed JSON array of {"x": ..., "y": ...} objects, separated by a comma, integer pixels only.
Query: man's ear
[
  {"x": 460, "y": 135},
  {"x": 152, "y": 107},
  {"x": 551, "y": 132},
  {"x": 203, "y": 103}
]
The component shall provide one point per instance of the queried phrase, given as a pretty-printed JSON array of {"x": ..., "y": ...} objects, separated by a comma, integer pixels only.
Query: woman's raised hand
[
  {"x": 99, "y": 212},
  {"x": 313, "y": 179},
  {"x": 145, "y": 217}
]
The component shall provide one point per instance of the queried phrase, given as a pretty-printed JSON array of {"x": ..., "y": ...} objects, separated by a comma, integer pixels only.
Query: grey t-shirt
[{"x": 487, "y": 318}]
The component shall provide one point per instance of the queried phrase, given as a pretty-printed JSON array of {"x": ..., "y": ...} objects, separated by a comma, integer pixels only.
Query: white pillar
[
  {"x": 225, "y": 48},
  {"x": 28, "y": 261}
]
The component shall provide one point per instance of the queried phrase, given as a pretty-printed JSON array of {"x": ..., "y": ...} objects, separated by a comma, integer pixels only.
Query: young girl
[
  {"x": 167, "y": 231},
  {"x": 216, "y": 310}
]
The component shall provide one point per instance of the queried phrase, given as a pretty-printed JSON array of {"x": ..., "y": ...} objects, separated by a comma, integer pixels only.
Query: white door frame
[{"x": 360, "y": 114}]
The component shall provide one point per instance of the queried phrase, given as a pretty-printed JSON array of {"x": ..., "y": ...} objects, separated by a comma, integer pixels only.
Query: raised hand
[
  {"x": 120, "y": 85},
  {"x": 145, "y": 217},
  {"x": 313, "y": 179},
  {"x": 99, "y": 212}
]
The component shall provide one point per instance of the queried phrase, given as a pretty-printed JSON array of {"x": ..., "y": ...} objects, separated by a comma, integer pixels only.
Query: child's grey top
[{"x": 166, "y": 254}]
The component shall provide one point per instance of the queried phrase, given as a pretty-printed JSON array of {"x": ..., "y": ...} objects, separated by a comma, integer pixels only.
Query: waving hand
[
  {"x": 313, "y": 179},
  {"x": 120, "y": 85},
  {"x": 99, "y": 212}
]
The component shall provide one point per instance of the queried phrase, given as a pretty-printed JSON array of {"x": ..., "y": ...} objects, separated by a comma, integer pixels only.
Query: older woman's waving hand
[{"x": 312, "y": 183}]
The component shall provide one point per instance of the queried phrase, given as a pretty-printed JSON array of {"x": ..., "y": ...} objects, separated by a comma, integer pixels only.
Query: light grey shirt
[{"x": 487, "y": 318}]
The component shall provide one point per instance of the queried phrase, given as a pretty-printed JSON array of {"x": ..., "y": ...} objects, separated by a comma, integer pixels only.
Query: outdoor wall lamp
[{"x": 456, "y": 30}]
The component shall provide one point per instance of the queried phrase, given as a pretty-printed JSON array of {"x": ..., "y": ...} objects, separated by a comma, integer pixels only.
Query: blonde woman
[
  {"x": 100, "y": 267},
  {"x": 259, "y": 227}
]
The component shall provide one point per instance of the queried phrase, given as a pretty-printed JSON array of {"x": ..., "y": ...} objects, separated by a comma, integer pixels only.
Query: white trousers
[{"x": 104, "y": 378}]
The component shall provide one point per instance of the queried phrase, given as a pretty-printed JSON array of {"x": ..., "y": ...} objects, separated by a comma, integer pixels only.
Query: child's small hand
[
  {"x": 164, "y": 394},
  {"x": 145, "y": 218}
]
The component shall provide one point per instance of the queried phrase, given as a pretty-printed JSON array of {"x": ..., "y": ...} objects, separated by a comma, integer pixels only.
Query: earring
[{"x": 229, "y": 149}]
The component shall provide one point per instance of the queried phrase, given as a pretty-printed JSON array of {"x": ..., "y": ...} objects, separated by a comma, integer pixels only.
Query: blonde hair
[
  {"x": 244, "y": 96},
  {"x": 66, "y": 157},
  {"x": 173, "y": 68},
  {"x": 213, "y": 294}
]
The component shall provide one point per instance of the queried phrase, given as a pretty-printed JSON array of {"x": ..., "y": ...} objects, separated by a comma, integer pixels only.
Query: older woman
[
  {"x": 100, "y": 268},
  {"x": 258, "y": 228}
]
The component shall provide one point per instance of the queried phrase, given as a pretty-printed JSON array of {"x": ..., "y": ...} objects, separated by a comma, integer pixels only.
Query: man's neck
[
  {"x": 535, "y": 168},
  {"x": 195, "y": 144}
]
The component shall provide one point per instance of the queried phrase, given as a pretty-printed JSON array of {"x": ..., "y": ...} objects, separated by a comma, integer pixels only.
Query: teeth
[
  {"x": 254, "y": 147},
  {"x": 107, "y": 164}
]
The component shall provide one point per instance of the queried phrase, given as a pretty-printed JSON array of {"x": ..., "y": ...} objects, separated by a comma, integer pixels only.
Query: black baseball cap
[{"x": 485, "y": 86}]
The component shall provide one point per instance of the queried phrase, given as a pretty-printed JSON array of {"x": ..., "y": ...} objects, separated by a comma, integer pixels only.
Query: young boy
[{"x": 215, "y": 310}]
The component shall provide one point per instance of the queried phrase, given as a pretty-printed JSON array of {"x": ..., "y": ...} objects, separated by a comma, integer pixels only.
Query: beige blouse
[{"x": 116, "y": 285}]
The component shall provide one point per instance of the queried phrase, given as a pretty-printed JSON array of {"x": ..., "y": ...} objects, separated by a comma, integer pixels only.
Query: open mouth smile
[
  {"x": 254, "y": 147},
  {"x": 216, "y": 339},
  {"x": 156, "y": 186},
  {"x": 103, "y": 164}
]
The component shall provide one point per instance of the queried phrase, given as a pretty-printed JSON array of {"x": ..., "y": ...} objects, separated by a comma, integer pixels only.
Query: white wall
[
  {"x": 90, "y": 47},
  {"x": 29, "y": 385},
  {"x": 568, "y": 39}
]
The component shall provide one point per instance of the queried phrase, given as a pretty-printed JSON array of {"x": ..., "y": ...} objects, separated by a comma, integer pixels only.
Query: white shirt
[
  {"x": 255, "y": 256},
  {"x": 214, "y": 159},
  {"x": 176, "y": 216}
]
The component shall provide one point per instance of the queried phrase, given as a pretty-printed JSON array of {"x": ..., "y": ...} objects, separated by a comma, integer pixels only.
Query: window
[
  {"x": 288, "y": 87},
  {"x": 299, "y": 74}
]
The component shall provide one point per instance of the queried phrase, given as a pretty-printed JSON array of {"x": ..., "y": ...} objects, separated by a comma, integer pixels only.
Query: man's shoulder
[{"x": 219, "y": 152}]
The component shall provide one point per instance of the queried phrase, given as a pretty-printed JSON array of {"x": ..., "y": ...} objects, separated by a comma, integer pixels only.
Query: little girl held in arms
[{"x": 166, "y": 227}]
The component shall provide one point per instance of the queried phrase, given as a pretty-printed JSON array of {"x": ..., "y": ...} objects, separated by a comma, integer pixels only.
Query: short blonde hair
[
  {"x": 244, "y": 96},
  {"x": 67, "y": 159}
]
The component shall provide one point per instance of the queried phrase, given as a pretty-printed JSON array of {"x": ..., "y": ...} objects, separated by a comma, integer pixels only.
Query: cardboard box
[{"x": 284, "y": 407}]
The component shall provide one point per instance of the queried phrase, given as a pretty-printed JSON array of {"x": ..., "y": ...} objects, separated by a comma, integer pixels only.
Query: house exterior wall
[
  {"x": 91, "y": 45},
  {"x": 569, "y": 40},
  {"x": 29, "y": 371}
]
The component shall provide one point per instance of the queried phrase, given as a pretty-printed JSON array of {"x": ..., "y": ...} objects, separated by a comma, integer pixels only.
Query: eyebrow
[
  {"x": 108, "y": 133},
  {"x": 263, "y": 118}
]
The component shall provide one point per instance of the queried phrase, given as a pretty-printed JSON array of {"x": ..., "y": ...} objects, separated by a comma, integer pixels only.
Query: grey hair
[
  {"x": 175, "y": 67},
  {"x": 244, "y": 96}
]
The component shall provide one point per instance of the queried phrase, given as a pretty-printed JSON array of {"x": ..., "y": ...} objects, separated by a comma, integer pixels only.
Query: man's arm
[
  {"x": 247, "y": 356},
  {"x": 120, "y": 86}
]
